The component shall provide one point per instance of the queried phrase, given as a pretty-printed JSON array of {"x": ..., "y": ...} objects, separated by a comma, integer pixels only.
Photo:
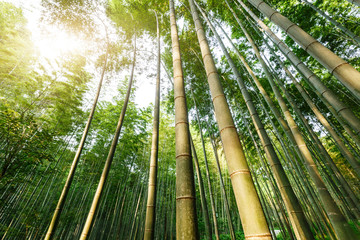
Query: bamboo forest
[{"x": 180, "y": 119}]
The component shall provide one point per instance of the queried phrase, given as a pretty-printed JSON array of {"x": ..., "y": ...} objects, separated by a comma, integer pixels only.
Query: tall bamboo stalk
[
  {"x": 250, "y": 210},
  {"x": 90, "y": 218},
  {"x": 301, "y": 227},
  {"x": 202, "y": 192},
  {"x": 56, "y": 216},
  {"x": 342, "y": 228},
  {"x": 322, "y": 91},
  {"x": 353, "y": 162},
  {"x": 342, "y": 70},
  {"x": 186, "y": 219},
  {"x": 150, "y": 217}
]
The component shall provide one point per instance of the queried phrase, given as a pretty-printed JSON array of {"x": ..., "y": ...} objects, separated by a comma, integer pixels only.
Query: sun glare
[{"x": 56, "y": 43}]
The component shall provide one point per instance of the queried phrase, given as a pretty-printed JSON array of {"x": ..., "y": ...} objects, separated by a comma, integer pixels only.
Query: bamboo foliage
[
  {"x": 353, "y": 36},
  {"x": 336, "y": 66},
  {"x": 336, "y": 217},
  {"x": 320, "y": 88},
  {"x": 61, "y": 202},
  {"x": 94, "y": 206}
]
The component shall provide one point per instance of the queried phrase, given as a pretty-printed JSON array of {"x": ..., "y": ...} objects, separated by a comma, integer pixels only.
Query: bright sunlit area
[{"x": 54, "y": 43}]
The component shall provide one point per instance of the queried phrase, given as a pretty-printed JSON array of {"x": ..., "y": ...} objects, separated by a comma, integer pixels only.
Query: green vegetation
[{"x": 258, "y": 131}]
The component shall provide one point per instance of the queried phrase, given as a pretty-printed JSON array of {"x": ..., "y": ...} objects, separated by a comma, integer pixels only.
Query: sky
[{"x": 52, "y": 43}]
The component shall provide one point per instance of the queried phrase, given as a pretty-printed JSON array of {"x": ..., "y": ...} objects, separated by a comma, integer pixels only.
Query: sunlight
[{"x": 56, "y": 43}]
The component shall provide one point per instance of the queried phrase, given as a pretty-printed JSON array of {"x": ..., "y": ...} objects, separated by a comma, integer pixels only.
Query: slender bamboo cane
[
  {"x": 150, "y": 217},
  {"x": 321, "y": 96},
  {"x": 88, "y": 224},
  {"x": 135, "y": 214},
  {"x": 62, "y": 199},
  {"x": 353, "y": 36},
  {"x": 202, "y": 192},
  {"x": 342, "y": 228},
  {"x": 223, "y": 191},
  {"x": 356, "y": 2},
  {"x": 207, "y": 171},
  {"x": 186, "y": 219}
]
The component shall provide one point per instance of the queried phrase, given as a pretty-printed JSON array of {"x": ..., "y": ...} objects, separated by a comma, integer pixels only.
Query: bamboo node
[
  {"x": 310, "y": 44},
  {"x": 178, "y": 97},
  {"x": 258, "y": 235},
  {"x": 338, "y": 66},
  {"x": 275, "y": 164},
  {"x": 227, "y": 127},
  {"x": 259, "y": 4},
  {"x": 181, "y": 122},
  {"x": 213, "y": 72},
  {"x": 183, "y": 155},
  {"x": 341, "y": 109},
  {"x": 185, "y": 197},
  {"x": 203, "y": 57},
  {"x": 272, "y": 15},
  {"x": 217, "y": 96},
  {"x": 269, "y": 144},
  {"x": 246, "y": 171},
  {"x": 296, "y": 211},
  {"x": 300, "y": 62},
  {"x": 291, "y": 25}
]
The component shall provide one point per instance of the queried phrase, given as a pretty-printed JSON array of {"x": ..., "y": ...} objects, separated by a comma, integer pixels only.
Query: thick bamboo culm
[
  {"x": 252, "y": 218},
  {"x": 186, "y": 219}
]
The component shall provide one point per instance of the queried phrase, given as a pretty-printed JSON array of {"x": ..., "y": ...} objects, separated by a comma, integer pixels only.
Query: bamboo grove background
[{"x": 254, "y": 131}]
